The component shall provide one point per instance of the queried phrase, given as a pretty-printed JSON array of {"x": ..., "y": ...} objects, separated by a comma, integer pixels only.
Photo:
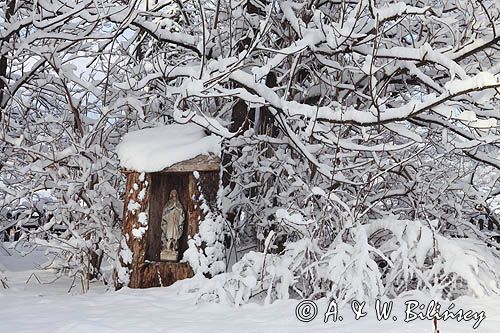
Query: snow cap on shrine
[{"x": 171, "y": 148}]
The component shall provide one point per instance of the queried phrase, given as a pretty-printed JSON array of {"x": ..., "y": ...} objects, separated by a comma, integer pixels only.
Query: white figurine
[{"x": 172, "y": 227}]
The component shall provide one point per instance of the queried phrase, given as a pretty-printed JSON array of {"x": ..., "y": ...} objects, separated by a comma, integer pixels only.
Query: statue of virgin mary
[{"x": 172, "y": 224}]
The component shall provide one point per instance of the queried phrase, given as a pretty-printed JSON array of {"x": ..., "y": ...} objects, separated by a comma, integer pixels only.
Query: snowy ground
[{"x": 32, "y": 305}]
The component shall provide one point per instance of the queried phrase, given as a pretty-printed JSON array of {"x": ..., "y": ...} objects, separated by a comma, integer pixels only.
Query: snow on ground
[
  {"x": 153, "y": 149},
  {"x": 32, "y": 306}
]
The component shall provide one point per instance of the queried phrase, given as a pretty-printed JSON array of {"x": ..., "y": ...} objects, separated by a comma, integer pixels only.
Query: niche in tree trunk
[{"x": 162, "y": 210}]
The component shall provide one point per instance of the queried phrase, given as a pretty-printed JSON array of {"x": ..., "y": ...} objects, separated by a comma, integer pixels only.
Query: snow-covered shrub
[
  {"x": 385, "y": 257},
  {"x": 236, "y": 287},
  {"x": 336, "y": 114},
  {"x": 206, "y": 252}
]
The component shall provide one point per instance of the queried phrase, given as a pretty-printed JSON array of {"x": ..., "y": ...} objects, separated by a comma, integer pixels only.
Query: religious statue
[{"x": 172, "y": 224}]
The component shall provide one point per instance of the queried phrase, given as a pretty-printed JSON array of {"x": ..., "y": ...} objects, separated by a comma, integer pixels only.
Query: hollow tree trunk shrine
[{"x": 167, "y": 169}]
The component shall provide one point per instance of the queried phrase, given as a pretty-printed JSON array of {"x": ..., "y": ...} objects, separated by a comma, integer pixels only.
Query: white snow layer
[
  {"x": 37, "y": 302},
  {"x": 154, "y": 149}
]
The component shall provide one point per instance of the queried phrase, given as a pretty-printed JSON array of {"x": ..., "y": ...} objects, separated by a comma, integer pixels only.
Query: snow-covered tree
[{"x": 361, "y": 136}]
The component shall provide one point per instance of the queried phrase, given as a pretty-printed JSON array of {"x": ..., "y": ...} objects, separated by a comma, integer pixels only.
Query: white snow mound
[{"x": 154, "y": 149}]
